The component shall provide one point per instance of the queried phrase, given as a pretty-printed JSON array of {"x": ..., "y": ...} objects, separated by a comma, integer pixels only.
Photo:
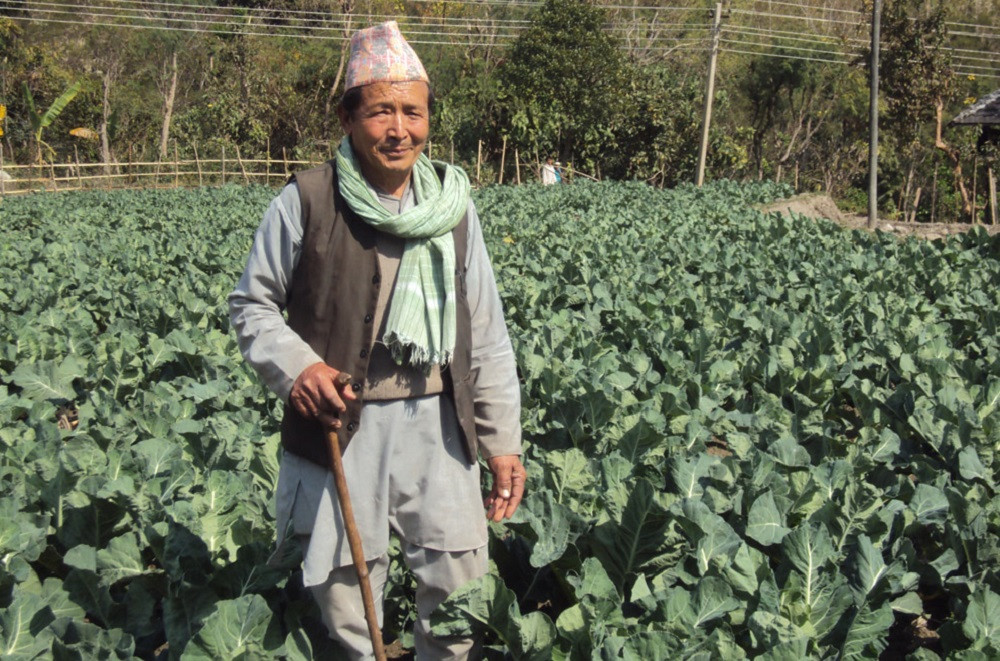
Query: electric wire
[
  {"x": 240, "y": 20},
  {"x": 854, "y": 12},
  {"x": 776, "y": 39},
  {"x": 798, "y": 34},
  {"x": 782, "y": 56},
  {"x": 338, "y": 20},
  {"x": 782, "y": 47},
  {"x": 237, "y": 24},
  {"x": 276, "y": 30},
  {"x": 794, "y": 18},
  {"x": 977, "y": 75},
  {"x": 501, "y": 31}
]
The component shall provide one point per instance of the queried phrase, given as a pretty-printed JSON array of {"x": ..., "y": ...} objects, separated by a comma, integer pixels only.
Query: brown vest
[{"x": 332, "y": 303}]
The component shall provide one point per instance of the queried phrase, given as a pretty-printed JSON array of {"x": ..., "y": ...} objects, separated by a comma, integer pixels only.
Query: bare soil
[{"x": 816, "y": 205}]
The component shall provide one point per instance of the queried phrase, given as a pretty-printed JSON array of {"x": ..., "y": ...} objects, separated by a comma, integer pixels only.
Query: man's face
[{"x": 388, "y": 131}]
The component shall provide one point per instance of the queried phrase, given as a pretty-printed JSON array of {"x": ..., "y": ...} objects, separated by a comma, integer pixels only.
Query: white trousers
[
  {"x": 438, "y": 574},
  {"x": 406, "y": 471}
]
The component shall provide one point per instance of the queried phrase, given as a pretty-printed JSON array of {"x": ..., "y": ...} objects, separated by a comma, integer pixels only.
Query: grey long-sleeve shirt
[{"x": 279, "y": 355}]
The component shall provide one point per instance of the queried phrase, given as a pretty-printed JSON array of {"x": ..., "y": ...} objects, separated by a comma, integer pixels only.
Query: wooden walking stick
[{"x": 353, "y": 537}]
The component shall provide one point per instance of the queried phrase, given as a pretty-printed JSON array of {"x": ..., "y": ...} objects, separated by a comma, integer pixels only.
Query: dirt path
[{"x": 817, "y": 205}]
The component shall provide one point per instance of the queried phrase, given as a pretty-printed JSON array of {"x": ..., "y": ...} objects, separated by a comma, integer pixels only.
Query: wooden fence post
[
  {"x": 2, "y": 173},
  {"x": 267, "y": 177},
  {"x": 223, "y": 165},
  {"x": 916, "y": 203},
  {"x": 993, "y": 196},
  {"x": 975, "y": 180},
  {"x": 430, "y": 149},
  {"x": 503, "y": 157},
  {"x": 452, "y": 151},
  {"x": 284, "y": 157},
  {"x": 479, "y": 159},
  {"x": 76, "y": 158},
  {"x": 934, "y": 190},
  {"x": 197, "y": 162},
  {"x": 239, "y": 159},
  {"x": 177, "y": 164},
  {"x": 517, "y": 165}
]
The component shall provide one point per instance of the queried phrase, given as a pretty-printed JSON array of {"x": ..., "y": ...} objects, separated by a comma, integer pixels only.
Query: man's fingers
[
  {"x": 303, "y": 403},
  {"x": 503, "y": 488},
  {"x": 330, "y": 397},
  {"x": 328, "y": 421},
  {"x": 515, "y": 499},
  {"x": 508, "y": 487},
  {"x": 321, "y": 390}
]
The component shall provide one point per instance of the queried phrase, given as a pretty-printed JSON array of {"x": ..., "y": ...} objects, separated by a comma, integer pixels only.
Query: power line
[
  {"x": 740, "y": 30},
  {"x": 978, "y": 75},
  {"x": 282, "y": 14},
  {"x": 169, "y": 21},
  {"x": 782, "y": 47},
  {"x": 817, "y": 19},
  {"x": 338, "y": 20},
  {"x": 794, "y": 18},
  {"x": 276, "y": 21},
  {"x": 973, "y": 25},
  {"x": 779, "y": 42},
  {"x": 248, "y": 33},
  {"x": 781, "y": 56},
  {"x": 656, "y": 44},
  {"x": 796, "y": 34},
  {"x": 980, "y": 68},
  {"x": 447, "y": 35},
  {"x": 969, "y": 50},
  {"x": 803, "y": 6},
  {"x": 973, "y": 34},
  {"x": 859, "y": 13}
]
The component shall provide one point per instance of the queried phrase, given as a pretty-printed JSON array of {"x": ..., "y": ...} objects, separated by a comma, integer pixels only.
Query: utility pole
[
  {"x": 873, "y": 118},
  {"x": 709, "y": 95}
]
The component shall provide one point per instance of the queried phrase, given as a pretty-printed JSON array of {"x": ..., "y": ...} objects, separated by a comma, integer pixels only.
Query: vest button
[
  {"x": 368, "y": 319},
  {"x": 351, "y": 426},
  {"x": 364, "y": 353},
  {"x": 355, "y": 386}
]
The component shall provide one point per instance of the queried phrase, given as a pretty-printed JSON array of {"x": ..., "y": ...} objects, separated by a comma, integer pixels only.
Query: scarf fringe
[{"x": 409, "y": 352}]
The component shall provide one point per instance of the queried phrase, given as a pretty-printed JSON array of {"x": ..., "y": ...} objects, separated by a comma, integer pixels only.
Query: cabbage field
[{"x": 747, "y": 436}]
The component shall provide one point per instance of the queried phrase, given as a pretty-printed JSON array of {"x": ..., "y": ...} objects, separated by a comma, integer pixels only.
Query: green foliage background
[
  {"x": 580, "y": 83},
  {"x": 746, "y": 435}
]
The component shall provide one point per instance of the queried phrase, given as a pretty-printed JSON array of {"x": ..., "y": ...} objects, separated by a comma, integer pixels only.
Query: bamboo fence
[
  {"x": 16, "y": 179},
  {"x": 174, "y": 173}
]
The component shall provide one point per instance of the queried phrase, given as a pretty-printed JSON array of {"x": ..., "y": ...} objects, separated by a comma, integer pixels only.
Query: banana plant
[{"x": 40, "y": 120}]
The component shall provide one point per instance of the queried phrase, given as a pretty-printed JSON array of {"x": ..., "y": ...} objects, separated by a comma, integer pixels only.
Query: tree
[
  {"x": 42, "y": 120},
  {"x": 915, "y": 72},
  {"x": 656, "y": 136},
  {"x": 562, "y": 83}
]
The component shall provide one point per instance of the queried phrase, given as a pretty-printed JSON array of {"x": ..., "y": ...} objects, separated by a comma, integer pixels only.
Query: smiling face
[{"x": 388, "y": 131}]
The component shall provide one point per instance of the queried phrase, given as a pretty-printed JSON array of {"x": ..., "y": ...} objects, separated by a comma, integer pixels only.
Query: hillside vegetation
[{"x": 614, "y": 88}]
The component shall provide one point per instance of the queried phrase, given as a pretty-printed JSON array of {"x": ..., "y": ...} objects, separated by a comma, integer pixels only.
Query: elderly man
[{"x": 377, "y": 258}]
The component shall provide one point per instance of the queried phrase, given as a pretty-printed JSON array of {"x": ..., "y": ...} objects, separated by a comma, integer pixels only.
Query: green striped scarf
[{"x": 420, "y": 329}]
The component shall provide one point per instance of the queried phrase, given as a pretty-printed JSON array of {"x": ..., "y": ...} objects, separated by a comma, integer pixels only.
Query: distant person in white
[{"x": 549, "y": 175}]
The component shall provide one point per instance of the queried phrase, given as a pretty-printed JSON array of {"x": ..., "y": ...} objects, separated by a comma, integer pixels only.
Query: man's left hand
[{"x": 508, "y": 486}]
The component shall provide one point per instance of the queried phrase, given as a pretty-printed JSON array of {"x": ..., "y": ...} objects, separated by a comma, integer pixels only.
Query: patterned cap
[{"x": 381, "y": 54}]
